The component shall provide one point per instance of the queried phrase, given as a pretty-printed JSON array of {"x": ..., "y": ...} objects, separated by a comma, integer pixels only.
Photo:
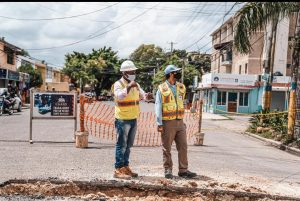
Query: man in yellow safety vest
[
  {"x": 127, "y": 94},
  {"x": 169, "y": 109}
]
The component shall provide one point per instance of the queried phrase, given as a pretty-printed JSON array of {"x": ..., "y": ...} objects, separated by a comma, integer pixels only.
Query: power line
[
  {"x": 58, "y": 18},
  {"x": 83, "y": 19},
  {"x": 101, "y": 29},
  {"x": 181, "y": 9},
  {"x": 192, "y": 17},
  {"x": 89, "y": 38},
  {"x": 212, "y": 13},
  {"x": 215, "y": 25}
]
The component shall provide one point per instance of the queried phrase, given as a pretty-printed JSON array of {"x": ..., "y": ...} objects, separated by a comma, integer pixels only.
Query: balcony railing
[{"x": 226, "y": 63}]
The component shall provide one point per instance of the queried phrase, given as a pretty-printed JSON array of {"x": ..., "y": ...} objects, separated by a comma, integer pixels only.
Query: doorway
[{"x": 232, "y": 102}]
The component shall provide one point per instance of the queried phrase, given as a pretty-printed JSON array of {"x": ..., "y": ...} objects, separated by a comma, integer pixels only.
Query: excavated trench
[{"x": 118, "y": 190}]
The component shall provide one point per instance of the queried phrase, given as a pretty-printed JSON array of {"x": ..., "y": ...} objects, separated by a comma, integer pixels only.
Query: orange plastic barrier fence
[{"x": 99, "y": 122}]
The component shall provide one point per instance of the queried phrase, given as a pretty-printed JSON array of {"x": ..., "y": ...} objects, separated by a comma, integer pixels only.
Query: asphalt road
[{"x": 227, "y": 155}]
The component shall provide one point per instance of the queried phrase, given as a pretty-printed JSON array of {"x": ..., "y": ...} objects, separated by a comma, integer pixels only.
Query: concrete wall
[
  {"x": 59, "y": 86},
  {"x": 281, "y": 48}
]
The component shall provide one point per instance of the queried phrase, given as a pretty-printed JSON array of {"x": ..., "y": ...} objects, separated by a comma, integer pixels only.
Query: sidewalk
[
  {"x": 276, "y": 144},
  {"x": 26, "y": 106},
  {"x": 211, "y": 116}
]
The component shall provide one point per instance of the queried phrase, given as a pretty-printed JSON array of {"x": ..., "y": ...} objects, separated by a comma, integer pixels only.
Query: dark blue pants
[{"x": 126, "y": 130}]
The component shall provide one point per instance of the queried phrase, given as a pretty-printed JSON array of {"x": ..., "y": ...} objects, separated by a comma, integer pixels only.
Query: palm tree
[
  {"x": 254, "y": 17},
  {"x": 293, "y": 108}
]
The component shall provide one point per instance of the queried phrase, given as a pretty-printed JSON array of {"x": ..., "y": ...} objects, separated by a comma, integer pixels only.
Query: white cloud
[{"x": 166, "y": 22}]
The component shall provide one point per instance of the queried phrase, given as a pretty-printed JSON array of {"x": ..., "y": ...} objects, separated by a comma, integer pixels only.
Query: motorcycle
[
  {"x": 6, "y": 104},
  {"x": 17, "y": 103}
]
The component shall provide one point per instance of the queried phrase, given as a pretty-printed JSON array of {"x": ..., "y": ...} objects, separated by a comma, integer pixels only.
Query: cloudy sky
[{"x": 49, "y": 30}]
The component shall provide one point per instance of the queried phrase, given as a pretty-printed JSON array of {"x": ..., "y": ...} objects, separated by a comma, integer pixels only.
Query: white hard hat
[{"x": 127, "y": 66}]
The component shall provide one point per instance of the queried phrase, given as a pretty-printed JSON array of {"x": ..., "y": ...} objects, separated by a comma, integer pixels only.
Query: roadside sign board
[
  {"x": 1, "y": 103},
  {"x": 56, "y": 106},
  {"x": 53, "y": 105}
]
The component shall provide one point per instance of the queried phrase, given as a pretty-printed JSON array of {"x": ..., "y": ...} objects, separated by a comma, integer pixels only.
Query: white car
[{"x": 18, "y": 103}]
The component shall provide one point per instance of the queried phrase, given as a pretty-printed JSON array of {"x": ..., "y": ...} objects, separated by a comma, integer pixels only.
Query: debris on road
[{"x": 122, "y": 190}]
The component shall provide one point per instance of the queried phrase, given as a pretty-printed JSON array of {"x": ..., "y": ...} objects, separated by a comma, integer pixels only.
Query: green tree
[
  {"x": 103, "y": 65},
  {"x": 202, "y": 63},
  {"x": 35, "y": 76},
  {"x": 75, "y": 68},
  {"x": 147, "y": 58},
  {"x": 24, "y": 53},
  {"x": 189, "y": 70},
  {"x": 100, "y": 68}
]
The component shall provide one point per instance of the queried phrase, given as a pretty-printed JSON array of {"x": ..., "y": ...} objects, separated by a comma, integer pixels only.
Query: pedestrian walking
[
  {"x": 169, "y": 109},
  {"x": 127, "y": 95}
]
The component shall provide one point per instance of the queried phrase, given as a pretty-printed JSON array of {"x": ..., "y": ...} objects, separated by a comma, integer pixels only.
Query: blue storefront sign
[
  {"x": 13, "y": 75},
  {"x": 3, "y": 73}
]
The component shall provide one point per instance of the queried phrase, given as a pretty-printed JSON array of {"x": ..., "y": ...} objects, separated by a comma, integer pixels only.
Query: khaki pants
[{"x": 174, "y": 130}]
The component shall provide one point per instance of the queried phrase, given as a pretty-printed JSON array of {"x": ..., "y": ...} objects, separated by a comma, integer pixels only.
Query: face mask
[
  {"x": 131, "y": 77},
  {"x": 177, "y": 76}
]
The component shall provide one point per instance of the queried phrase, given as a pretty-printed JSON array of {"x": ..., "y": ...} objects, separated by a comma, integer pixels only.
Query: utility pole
[
  {"x": 172, "y": 43},
  {"x": 183, "y": 67},
  {"x": 182, "y": 74}
]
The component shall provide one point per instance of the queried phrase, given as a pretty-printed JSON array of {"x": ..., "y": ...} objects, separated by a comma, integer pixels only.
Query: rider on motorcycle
[{"x": 8, "y": 102}]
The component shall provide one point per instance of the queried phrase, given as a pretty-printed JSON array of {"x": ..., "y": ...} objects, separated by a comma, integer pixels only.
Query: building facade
[
  {"x": 51, "y": 75},
  {"x": 8, "y": 67},
  {"x": 235, "y": 83}
]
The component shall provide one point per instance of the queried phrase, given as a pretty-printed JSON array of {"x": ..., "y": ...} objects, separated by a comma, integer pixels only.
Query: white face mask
[{"x": 131, "y": 77}]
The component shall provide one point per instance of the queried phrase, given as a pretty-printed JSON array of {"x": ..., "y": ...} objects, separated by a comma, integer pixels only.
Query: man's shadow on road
[{"x": 175, "y": 178}]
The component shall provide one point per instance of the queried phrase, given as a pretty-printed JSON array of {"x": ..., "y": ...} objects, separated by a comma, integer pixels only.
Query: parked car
[{"x": 18, "y": 103}]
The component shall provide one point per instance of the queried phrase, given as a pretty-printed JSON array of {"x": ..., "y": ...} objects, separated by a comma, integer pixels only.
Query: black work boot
[
  {"x": 187, "y": 174},
  {"x": 168, "y": 174}
]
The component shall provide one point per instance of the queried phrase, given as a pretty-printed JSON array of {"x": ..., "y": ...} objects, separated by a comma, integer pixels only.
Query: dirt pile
[{"x": 119, "y": 190}]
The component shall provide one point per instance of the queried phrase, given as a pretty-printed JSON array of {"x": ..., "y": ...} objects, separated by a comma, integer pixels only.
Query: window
[
  {"x": 243, "y": 98},
  {"x": 49, "y": 73},
  {"x": 246, "y": 68},
  {"x": 10, "y": 58},
  {"x": 10, "y": 55},
  {"x": 221, "y": 100},
  {"x": 240, "y": 69}
]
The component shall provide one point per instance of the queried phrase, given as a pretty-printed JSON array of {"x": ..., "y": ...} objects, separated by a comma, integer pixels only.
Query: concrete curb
[{"x": 276, "y": 144}]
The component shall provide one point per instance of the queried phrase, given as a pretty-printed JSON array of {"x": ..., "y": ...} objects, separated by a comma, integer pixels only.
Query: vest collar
[
  {"x": 124, "y": 81},
  {"x": 170, "y": 83}
]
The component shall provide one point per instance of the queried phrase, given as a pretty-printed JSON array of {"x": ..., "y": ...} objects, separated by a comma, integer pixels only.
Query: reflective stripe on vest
[
  {"x": 127, "y": 108},
  {"x": 126, "y": 103},
  {"x": 172, "y": 108}
]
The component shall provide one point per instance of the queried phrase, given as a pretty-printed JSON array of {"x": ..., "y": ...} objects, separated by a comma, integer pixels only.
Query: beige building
[
  {"x": 227, "y": 60},
  {"x": 235, "y": 83},
  {"x": 52, "y": 78},
  {"x": 8, "y": 66},
  {"x": 8, "y": 54},
  {"x": 51, "y": 75}
]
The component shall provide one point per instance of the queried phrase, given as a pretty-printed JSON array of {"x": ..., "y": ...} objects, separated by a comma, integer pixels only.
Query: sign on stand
[
  {"x": 47, "y": 105},
  {"x": 1, "y": 104}
]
